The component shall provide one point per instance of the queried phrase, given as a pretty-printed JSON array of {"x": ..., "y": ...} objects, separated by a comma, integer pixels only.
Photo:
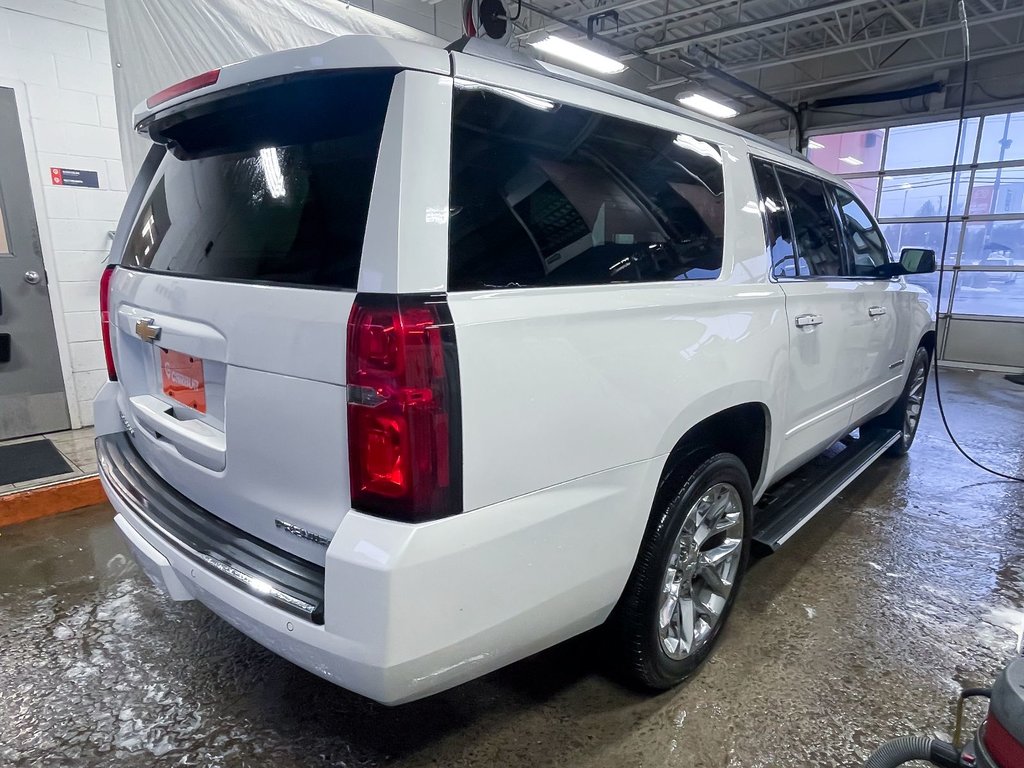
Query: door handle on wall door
[
  {"x": 876, "y": 311},
  {"x": 806, "y": 321},
  {"x": 32, "y": 277}
]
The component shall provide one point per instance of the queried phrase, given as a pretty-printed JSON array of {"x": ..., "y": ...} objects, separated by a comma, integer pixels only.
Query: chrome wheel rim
[
  {"x": 701, "y": 571},
  {"x": 915, "y": 401}
]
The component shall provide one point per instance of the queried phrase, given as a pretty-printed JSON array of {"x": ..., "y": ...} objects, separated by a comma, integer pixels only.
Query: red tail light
[
  {"x": 105, "y": 278},
  {"x": 185, "y": 86},
  {"x": 404, "y": 412},
  {"x": 1004, "y": 749}
]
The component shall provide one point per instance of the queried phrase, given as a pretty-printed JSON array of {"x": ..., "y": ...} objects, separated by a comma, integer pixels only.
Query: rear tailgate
[{"x": 229, "y": 314}]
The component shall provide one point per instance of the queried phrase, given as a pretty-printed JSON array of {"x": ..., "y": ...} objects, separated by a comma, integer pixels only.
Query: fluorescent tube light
[
  {"x": 708, "y": 106},
  {"x": 563, "y": 49},
  {"x": 812, "y": 144},
  {"x": 851, "y": 160},
  {"x": 272, "y": 175}
]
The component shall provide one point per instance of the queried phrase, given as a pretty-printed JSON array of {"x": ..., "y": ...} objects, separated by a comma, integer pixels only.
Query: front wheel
[
  {"x": 905, "y": 414},
  {"x": 685, "y": 580}
]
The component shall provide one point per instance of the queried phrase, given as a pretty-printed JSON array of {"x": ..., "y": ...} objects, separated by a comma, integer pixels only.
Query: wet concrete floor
[{"x": 906, "y": 587}]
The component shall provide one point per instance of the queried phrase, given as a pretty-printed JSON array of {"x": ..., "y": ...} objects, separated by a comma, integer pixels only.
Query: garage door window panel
[{"x": 544, "y": 194}]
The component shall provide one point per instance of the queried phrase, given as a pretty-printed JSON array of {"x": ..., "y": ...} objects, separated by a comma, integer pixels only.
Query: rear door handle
[
  {"x": 806, "y": 321},
  {"x": 876, "y": 311}
]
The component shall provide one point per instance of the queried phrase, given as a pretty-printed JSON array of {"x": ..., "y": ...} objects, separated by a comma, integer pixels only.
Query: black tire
[
  {"x": 639, "y": 636},
  {"x": 912, "y": 399}
]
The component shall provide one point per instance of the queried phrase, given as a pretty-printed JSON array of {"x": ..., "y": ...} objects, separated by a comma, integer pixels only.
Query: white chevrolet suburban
[{"x": 424, "y": 360}]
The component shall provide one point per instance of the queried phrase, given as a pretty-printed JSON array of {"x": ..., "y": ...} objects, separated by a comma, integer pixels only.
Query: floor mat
[{"x": 30, "y": 461}]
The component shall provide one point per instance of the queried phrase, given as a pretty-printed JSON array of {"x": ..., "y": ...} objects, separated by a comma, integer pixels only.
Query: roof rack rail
[{"x": 485, "y": 49}]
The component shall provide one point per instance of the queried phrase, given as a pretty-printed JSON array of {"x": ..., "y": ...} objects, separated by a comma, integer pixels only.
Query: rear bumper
[{"x": 410, "y": 610}]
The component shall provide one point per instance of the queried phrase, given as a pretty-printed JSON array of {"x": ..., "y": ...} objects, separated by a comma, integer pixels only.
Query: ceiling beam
[
  {"x": 734, "y": 30},
  {"x": 625, "y": 5},
  {"x": 989, "y": 18}
]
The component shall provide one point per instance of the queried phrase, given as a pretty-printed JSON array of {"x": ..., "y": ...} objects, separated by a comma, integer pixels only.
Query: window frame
[{"x": 846, "y": 258}]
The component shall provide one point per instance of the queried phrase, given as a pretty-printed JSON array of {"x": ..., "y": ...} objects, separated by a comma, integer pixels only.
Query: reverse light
[
  {"x": 108, "y": 353},
  {"x": 577, "y": 54},
  {"x": 185, "y": 86},
  {"x": 404, "y": 412},
  {"x": 702, "y": 103}
]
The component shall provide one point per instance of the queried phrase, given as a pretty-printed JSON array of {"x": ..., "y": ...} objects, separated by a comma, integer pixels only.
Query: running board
[{"x": 787, "y": 506}]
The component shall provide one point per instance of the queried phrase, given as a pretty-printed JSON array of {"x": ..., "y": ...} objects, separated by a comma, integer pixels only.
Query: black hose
[{"x": 899, "y": 751}]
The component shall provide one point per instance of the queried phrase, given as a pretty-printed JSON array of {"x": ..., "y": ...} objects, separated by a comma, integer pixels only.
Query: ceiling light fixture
[
  {"x": 708, "y": 106},
  {"x": 577, "y": 54},
  {"x": 812, "y": 144},
  {"x": 851, "y": 160}
]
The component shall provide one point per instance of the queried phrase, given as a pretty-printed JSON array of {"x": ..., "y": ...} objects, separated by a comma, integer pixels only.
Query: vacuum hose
[{"x": 906, "y": 748}]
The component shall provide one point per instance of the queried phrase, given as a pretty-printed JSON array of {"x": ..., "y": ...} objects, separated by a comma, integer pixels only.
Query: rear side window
[
  {"x": 271, "y": 185},
  {"x": 814, "y": 224},
  {"x": 546, "y": 194},
  {"x": 777, "y": 228}
]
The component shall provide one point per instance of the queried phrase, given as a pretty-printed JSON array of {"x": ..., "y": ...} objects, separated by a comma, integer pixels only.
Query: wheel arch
[{"x": 743, "y": 429}]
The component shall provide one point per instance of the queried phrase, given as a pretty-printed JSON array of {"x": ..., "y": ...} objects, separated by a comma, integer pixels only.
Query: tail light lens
[
  {"x": 404, "y": 411},
  {"x": 185, "y": 86},
  {"x": 105, "y": 279},
  {"x": 1001, "y": 745}
]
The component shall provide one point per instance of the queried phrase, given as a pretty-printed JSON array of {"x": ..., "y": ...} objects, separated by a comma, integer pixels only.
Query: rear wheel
[
  {"x": 684, "y": 583},
  {"x": 905, "y": 414}
]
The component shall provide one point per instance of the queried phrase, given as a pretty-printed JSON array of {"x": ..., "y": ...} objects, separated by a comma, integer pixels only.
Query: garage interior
[{"x": 906, "y": 589}]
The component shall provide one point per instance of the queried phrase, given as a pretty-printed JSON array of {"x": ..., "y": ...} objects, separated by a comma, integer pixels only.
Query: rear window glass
[
  {"x": 272, "y": 185},
  {"x": 547, "y": 194}
]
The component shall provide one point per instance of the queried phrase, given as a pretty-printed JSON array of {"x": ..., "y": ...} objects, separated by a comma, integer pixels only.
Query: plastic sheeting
[{"x": 155, "y": 43}]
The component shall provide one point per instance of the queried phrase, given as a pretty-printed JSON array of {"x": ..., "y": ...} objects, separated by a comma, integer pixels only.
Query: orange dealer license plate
[{"x": 182, "y": 377}]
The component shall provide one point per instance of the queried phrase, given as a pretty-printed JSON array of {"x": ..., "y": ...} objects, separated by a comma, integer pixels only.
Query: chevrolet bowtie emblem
[{"x": 146, "y": 331}]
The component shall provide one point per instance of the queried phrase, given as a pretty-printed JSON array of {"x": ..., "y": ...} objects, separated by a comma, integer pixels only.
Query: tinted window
[
  {"x": 272, "y": 185},
  {"x": 865, "y": 247},
  {"x": 814, "y": 224},
  {"x": 546, "y": 194},
  {"x": 773, "y": 207}
]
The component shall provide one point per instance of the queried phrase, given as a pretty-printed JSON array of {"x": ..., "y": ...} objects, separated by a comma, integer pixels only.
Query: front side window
[
  {"x": 545, "y": 194},
  {"x": 814, "y": 224},
  {"x": 864, "y": 243}
]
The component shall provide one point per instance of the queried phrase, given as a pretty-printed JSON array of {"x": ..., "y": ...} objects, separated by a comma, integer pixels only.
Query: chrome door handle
[
  {"x": 32, "y": 277},
  {"x": 806, "y": 321},
  {"x": 876, "y": 311}
]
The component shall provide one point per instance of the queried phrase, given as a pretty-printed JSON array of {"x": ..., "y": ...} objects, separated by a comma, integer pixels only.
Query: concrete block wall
[{"x": 55, "y": 55}]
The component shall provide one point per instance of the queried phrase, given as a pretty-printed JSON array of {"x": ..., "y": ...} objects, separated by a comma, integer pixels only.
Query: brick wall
[{"x": 55, "y": 55}]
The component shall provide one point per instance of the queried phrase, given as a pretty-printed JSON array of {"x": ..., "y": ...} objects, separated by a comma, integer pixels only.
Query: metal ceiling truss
[{"x": 786, "y": 48}]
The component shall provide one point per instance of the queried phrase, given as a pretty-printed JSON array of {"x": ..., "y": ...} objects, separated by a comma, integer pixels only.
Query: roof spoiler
[{"x": 485, "y": 49}]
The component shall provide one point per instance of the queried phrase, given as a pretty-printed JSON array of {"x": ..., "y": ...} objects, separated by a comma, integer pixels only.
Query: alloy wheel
[{"x": 701, "y": 571}]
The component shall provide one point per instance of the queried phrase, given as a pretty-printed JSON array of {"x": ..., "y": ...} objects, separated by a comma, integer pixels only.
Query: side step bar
[{"x": 787, "y": 506}]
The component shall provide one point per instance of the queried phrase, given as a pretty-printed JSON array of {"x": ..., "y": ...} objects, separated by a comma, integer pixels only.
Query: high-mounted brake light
[
  {"x": 105, "y": 278},
  {"x": 404, "y": 412},
  {"x": 1004, "y": 749},
  {"x": 185, "y": 86}
]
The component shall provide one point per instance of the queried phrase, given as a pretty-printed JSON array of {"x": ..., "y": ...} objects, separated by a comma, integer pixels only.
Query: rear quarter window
[
  {"x": 546, "y": 194},
  {"x": 270, "y": 185}
]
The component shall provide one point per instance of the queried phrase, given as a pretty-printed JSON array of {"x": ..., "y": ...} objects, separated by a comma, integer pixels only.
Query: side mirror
[{"x": 917, "y": 261}]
